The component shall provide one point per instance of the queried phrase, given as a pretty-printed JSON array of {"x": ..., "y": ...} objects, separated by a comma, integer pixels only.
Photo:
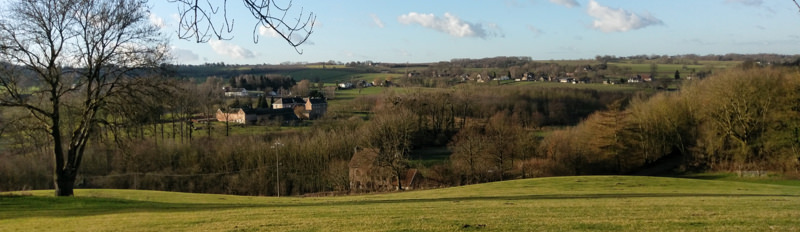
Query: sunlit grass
[{"x": 547, "y": 204}]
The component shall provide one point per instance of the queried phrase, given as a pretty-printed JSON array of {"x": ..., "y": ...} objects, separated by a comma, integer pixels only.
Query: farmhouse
[
  {"x": 253, "y": 116},
  {"x": 315, "y": 107},
  {"x": 288, "y": 103},
  {"x": 236, "y": 115}
]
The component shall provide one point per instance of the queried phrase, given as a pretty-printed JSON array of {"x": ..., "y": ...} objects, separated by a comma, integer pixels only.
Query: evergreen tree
[
  {"x": 262, "y": 102},
  {"x": 236, "y": 103}
]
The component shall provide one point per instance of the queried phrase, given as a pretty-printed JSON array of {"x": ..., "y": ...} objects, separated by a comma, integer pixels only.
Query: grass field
[
  {"x": 593, "y": 86},
  {"x": 587, "y": 203}
]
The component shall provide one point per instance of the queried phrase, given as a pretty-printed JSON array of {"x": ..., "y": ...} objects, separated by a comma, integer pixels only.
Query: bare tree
[
  {"x": 470, "y": 154},
  {"x": 199, "y": 20},
  {"x": 391, "y": 132},
  {"x": 78, "y": 56}
]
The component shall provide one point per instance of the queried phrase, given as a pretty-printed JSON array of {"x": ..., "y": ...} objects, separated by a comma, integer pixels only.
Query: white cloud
[
  {"x": 268, "y": 31},
  {"x": 157, "y": 21},
  {"x": 747, "y": 2},
  {"x": 184, "y": 55},
  {"x": 296, "y": 38},
  {"x": 230, "y": 50},
  {"x": 618, "y": 20},
  {"x": 567, "y": 3},
  {"x": 450, "y": 24},
  {"x": 377, "y": 21},
  {"x": 535, "y": 30}
]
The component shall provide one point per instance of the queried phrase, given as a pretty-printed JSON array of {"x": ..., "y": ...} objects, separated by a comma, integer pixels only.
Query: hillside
[{"x": 545, "y": 204}]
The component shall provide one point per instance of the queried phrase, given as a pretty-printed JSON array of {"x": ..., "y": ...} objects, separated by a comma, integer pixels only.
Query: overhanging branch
[{"x": 200, "y": 21}]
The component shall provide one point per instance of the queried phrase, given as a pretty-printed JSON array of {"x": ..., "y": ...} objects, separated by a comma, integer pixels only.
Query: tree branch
[{"x": 197, "y": 21}]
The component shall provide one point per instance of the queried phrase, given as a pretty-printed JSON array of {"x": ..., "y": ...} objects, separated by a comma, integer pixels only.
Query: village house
[
  {"x": 315, "y": 107},
  {"x": 288, "y": 103},
  {"x": 640, "y": 78},
  {"x": 235, "y": 115},
  {"x": 235, "y": 92},
  {"x": 345, "y": 85},
  {"x": 253, "y": 116}
]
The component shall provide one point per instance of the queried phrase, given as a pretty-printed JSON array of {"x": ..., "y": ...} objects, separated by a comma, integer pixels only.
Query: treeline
[
  {"x": 308, "y": 161},
  {"x": 776, "y": 59},
  {"x": 740, "y": 120},
  {"x": 262, "y": 82},
  {"x": 493, "y": 62},
  {"x": 223, "y": 70}
]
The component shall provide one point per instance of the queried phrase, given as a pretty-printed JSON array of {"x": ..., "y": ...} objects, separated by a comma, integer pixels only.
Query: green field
[
  {"x": 592, "y": 86},
  {"x": 586, "y": 203}
]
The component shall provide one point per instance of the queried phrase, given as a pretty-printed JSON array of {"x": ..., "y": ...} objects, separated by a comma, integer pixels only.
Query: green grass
[
  {"x": 349, "y": 94},
  {"x": 586, "y": 203},
  {"x": 593, "y": 86},
  {"x": 325, "y": 75},
  {"x": 726, "y": 176}
]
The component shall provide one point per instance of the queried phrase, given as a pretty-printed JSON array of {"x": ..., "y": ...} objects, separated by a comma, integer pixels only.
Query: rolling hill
[{"x": 546, "y": 204}]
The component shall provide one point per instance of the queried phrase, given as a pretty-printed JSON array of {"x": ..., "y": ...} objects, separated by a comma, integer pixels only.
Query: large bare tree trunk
[
  {"x": 64, "y": 183},
  {"x": 85, "y": 57}
]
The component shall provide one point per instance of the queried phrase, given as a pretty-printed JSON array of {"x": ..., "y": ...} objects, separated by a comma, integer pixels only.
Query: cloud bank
[
  {"x": 567, "y": 3},
  {"x": 230, "y": 50},
  {"x": 184, "y": 55},
  {"x": 746, "y": 2},
  {"x": 618, "y": 20},
  {"x": 451, "y": 25}
]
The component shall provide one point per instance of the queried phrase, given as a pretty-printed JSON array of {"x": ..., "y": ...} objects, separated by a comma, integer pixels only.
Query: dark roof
[
  {"x": 317, "y": 101},
  {"x": 284, "y": 114},
  {"x": 411, "y": 174},
  {"x": 265, "y": 111},
  {"x": 290, "y": 100},
  {"x": 232, "y": 110}
]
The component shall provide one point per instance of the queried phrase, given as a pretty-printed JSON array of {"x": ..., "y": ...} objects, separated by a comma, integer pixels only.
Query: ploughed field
[{"x": 619, "y": 203}]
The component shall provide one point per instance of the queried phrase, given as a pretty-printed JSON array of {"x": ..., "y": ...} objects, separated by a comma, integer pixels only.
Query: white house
[
  {"x": 235, "y": 92},
  {"x": 345, "y": 85}
]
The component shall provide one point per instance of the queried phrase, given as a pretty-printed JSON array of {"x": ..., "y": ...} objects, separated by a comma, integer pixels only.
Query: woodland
[{"x": 456, "y": 132}]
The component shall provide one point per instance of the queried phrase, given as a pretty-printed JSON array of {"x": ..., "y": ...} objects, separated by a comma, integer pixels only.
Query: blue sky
[{"x": 429, "y": 31}]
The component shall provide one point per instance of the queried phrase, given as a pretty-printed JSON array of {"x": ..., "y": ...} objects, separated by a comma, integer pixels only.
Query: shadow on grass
[{"x": 12, "y": 207}]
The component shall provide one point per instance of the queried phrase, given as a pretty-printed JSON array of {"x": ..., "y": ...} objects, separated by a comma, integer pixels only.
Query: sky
[{"x": 430, "y": 31}]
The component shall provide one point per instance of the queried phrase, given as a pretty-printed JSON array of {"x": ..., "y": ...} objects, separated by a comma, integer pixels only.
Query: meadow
[{"x": 582, "y": 203}]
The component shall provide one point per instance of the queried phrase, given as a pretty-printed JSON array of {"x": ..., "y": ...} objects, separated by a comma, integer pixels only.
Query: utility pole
[{"x": 276, "y": 146}]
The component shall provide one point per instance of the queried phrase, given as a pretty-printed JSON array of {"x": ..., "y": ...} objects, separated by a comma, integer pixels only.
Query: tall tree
[
  {"x": 611, "y": 137},
  {"x": 653, "y": 70},
  {"x": 391, "y": 131},
  {"x": 79, "y": 55},
  {"x": 470, "y": 154}
]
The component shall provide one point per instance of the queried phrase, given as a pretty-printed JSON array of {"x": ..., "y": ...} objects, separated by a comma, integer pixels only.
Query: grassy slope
[{"x": 549, "y": 204}]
